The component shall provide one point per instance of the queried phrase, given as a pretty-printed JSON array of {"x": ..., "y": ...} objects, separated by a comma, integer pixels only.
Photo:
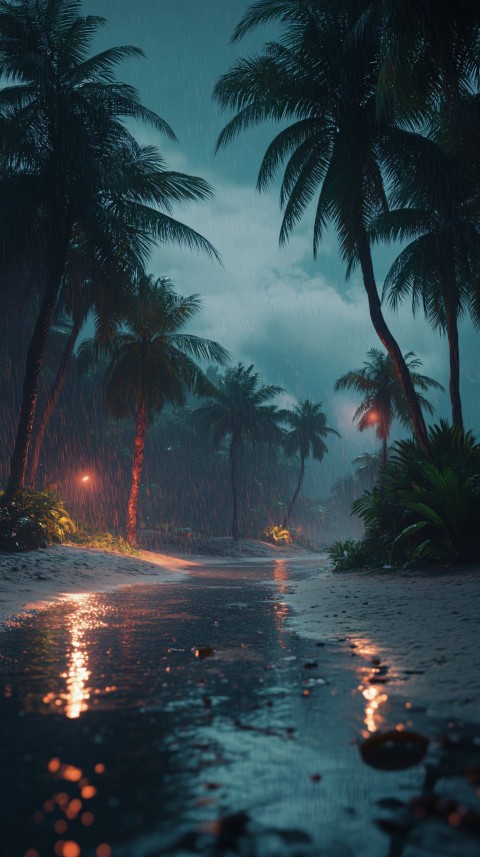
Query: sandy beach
[
  {"x": 422, "y": 626},
  {"x": 33, "y": 578}
]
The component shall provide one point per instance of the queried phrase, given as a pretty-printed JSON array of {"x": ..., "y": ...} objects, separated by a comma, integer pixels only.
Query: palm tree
[
  {"x": 82, "y": 295},
  {"x": 436, "y": 211},
  {"x": 238, "y": 409},
  {"x": 382, "y": 396},
  {"x": 70, "y": 167},
  {"x": 323, "y": 82},
  {"x": 308, "y": 424},
  {"x": 150, "y": 362}
]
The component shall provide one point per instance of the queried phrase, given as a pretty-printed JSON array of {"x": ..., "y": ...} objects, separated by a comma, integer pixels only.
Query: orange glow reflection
[
  {"x": 86, "y": 615},
  {"x": 280, "y": 576},
  {"x": 374, "y": 694}
]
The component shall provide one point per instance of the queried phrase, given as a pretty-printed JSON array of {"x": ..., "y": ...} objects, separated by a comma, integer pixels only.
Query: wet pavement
[{"x": 188, "y": 718}]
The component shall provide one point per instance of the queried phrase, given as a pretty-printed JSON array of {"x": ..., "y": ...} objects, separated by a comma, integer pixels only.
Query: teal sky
[{"x": 295, "y": 319}]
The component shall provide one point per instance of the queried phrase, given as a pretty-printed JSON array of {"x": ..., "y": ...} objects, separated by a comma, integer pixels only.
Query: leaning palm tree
[
  {"x": 382, "y": 396},
  {"x": 239, "y": 409},
  {"x": 85, "y": 293},
  {"x": 323, "y": 84},
  {"x": 308, "y": 428},
  {"x": 151, "y": 362},
  {"x": 70, "y": 167}
]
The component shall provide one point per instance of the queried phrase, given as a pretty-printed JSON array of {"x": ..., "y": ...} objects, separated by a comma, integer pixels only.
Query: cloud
[{"x": 296, "y": 319}]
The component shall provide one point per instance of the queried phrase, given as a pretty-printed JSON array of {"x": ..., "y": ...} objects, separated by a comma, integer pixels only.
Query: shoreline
[
  {"x": 30, "y": 580},
  {"x": 422, "y": 626}
]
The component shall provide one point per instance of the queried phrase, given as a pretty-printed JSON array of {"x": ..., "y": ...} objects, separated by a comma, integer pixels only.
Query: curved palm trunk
[
  {"x": 139, "y": 448},
  {"x": 297, "y": 492},
  {"x": 234, "y": 454},
  {"x": 52, "y": 403},
  {"x": 34, "y": 363},
  {"x": 389, "y": 341},
  {"x": 454, "y": 356}
]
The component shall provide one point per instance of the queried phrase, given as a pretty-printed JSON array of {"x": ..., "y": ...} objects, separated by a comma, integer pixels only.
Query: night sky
[{"x": 297, "y": 320}]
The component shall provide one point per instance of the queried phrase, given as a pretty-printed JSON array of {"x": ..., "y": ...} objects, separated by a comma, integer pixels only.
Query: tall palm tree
[
  {"x": 70, "y": 166},
  {"x": 308, "y": 428},
  {"x": 436, "y": 211},
  {"x": 151, "y": 362},
  {"x": 323, "y": 83},
  {"x": 239, "y": 409},
  {"x": 84, "y": 293},
  {"x": 382, "y": 396}
]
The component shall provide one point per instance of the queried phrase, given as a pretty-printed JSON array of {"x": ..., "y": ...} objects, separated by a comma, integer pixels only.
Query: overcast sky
[{"x": 297, "y": 320}]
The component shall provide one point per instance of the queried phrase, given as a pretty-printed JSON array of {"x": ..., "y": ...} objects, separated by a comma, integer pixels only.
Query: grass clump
[{"x": 102, "y": 541}]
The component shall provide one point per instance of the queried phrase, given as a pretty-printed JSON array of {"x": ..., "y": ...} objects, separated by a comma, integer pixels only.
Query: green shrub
[
  {"x": 33, "y": 519},
  {"x": 427, "y": 505},
  {"x": 350, "y": 554}
]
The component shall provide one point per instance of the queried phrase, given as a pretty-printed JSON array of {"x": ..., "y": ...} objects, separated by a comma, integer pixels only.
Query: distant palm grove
[{"x": 143, "y": 427}]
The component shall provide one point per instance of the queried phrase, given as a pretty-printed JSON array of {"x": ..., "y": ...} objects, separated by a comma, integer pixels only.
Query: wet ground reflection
[{"x": 187, "y": 719}]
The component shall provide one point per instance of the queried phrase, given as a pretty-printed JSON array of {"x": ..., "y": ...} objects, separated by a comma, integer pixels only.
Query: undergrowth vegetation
[
  {"x": 33, "y": 519},
  {"x": 425, "y": 507},
  {"x": 102, "y": 541}
]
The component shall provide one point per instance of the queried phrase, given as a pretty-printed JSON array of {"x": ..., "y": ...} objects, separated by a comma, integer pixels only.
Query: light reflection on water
[
  {"x": 371, "y": 684},
  {"x": 87, "y": 615},
  {"x": 280, "y": 576}
]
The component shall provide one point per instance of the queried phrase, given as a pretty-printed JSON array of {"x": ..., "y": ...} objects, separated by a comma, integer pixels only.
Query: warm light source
[
  {"x": 373, "y": 417},
  {"x": 85, "y": 478}
]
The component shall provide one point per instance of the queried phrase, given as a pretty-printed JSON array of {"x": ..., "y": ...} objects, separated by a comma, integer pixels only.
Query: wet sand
[{"x": 423, "y": 625}]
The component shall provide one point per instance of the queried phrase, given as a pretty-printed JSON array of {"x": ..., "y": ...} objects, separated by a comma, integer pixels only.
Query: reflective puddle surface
[{"x": 187, "y": 718}]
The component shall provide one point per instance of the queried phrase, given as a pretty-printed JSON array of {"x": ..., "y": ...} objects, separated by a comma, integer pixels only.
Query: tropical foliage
[
  {"x": 321, "y": 80},
  {"x": 383, "y": 399},
  {"x": 239, "y": 409},
  {"x": 348, "y": 554},
  {"x": 33, "y": 519},
  {"x": 427, "y": 504},
  {"x": 71, "y": 172},
  {"x": 150, "y": 362}
]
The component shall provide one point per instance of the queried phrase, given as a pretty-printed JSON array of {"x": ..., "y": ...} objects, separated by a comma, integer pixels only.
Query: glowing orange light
[
  {"x": 54, "y": 765},
  {"x": 86, "y": 478},
  {"x": 87, "y": 818},
  {"x": 373, "y": 417},
  {"x": 71, "y": 849},
  {"x": 32, "y": 853},
  {"x": 72, "y": 774},
  {"x": 88, "y": 792},
  {"x": 104, "y": 850},
  {"x": 60, "y": 826},
  {"x": 99, "y": 768}
]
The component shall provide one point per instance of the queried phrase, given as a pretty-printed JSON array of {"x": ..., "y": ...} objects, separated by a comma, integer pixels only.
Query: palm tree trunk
[
  {"x": 139, "y": 448},
  {"x": 297, "y": 491},
  {"x": 234, "y": 451},
  {"x": 453, "y": 345},
  {"x": 384, "y": 450},
  {"x": 389, "y": 341},
  {"x": 52, "y": 403},
  {"x": 34, "y": 363}
]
